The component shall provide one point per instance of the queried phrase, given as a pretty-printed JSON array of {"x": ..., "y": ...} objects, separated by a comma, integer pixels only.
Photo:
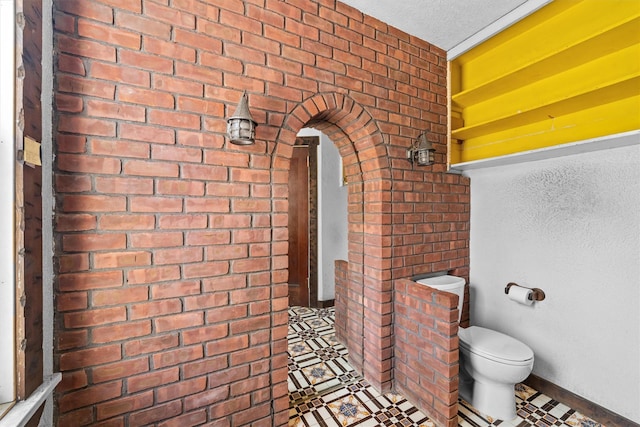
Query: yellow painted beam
[
  {"x": 605, "y": 119},
  {"x": 589, "y": 99},
  {"x": 598, "y": 45},
  {"x": 568, "y": 72},
  {"x": 574, "y": 89},
  {"x": 560, "y": 24}
]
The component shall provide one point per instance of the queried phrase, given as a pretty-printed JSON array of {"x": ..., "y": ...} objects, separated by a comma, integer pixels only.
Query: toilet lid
[{"x": 494, "y": 345}]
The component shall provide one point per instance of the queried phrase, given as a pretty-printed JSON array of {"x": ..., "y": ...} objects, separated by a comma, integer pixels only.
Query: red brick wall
[
  {"x": 426, "y": 350},
  {"x": 171, "y": 243}
]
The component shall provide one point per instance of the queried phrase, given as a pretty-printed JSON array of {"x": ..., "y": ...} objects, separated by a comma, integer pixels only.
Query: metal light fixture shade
[
  {"x": 241, "y": 127},
  {"x": 421, "y": 151}
]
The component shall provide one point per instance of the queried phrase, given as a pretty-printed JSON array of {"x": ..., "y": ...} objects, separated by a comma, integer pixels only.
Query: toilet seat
[{"x": 495, "y": 346}]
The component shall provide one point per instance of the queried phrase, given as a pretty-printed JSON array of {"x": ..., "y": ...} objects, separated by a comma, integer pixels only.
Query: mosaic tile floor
[{"x": 325, "y": 391}]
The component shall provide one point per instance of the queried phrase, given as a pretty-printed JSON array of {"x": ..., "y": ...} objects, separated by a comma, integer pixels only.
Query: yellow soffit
[{"x": 566, "y": 73}]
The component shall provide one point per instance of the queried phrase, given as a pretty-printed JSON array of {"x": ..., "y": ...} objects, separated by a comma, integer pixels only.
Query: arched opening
[
  {"x": 363, "y": 300},
  {"x": 318, "y": 220}
]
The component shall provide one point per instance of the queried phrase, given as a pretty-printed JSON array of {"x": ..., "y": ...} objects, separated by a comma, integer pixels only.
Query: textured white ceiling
[{"x": 444, "y": 23}]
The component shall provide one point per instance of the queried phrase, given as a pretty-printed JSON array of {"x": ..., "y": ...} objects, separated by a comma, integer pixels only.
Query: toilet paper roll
[{"x": 520, "y": 295}]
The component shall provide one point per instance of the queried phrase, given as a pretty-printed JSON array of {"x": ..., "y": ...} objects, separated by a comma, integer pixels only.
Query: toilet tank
[{"x": 447, "y": 283}]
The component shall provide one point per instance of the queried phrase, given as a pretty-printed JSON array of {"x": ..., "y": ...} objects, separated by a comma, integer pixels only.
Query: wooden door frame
[
  {"x": 310, "y": 144},
  {"x": 313, "y": 142}
]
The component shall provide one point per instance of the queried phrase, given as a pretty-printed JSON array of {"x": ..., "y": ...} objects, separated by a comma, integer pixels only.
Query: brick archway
[{"x": 365, "y": 310}]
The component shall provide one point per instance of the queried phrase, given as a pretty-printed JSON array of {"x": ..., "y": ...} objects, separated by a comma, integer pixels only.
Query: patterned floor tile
[{"x": 325, "y": 391}]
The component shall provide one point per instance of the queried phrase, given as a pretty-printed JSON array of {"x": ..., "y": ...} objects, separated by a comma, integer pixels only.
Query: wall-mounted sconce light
[
  {"x": 421, "y": 151},
  {"x": 241, "y": 127}
]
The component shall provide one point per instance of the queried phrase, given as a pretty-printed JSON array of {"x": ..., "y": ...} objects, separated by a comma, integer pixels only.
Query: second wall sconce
[
  {"x": 241, "y": 128},
  {"x": 421, "y": 151}
]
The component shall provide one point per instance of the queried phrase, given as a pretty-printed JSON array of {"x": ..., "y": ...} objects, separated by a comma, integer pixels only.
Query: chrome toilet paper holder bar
[{"x": 537, "y": 294}]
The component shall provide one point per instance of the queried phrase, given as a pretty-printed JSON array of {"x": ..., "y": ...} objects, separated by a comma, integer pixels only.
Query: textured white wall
[
  {"x": 7, "y": 182},
  {"x": 333, "y": 238},
  {"x": 332, "y": 225},
  {"x": 570, "y": 226}
]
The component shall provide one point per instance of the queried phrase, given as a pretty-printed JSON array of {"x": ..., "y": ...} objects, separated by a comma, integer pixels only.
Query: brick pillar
[
  {"x": 355, "y": 319},
  {"x": 426, "y": 350}
]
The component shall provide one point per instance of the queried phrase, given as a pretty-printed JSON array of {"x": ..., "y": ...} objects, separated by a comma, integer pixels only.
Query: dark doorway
[{"x": 303, "y": 223}]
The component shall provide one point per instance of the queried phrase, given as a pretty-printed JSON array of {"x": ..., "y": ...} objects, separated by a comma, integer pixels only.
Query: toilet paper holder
[{"x": 537, "y": 294}]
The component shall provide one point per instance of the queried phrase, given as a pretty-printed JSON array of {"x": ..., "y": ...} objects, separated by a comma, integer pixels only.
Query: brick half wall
[{"x": 426, "y": 350}]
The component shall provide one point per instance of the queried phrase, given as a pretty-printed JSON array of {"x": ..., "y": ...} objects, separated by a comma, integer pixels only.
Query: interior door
[{"x": 299, "y": 226}]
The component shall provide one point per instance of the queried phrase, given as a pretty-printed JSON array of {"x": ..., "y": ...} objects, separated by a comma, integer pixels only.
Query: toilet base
[{"x": 497, "y": 401}]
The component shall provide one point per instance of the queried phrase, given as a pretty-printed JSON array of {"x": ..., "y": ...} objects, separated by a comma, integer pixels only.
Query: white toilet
[{"x": 492, "y": 363}]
